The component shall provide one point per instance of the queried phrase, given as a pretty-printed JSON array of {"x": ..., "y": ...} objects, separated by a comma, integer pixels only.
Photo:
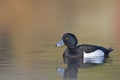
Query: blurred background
[{"x": 29, "y": 29}]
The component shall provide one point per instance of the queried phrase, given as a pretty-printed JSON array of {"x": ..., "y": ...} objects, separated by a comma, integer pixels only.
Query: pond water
[{"x": 31, "y": 54}]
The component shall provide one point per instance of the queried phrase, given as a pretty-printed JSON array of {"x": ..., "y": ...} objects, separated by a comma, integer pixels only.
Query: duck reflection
[
  {"x": 73, "y": 64},
  {"x": 5, "y": 48}
]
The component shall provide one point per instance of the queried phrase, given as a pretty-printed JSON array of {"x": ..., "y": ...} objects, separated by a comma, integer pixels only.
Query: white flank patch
[
  {"x": 94, "y": 54},
  {"x": 94, "y": 57},
  {"x": 97, "y": 60}
]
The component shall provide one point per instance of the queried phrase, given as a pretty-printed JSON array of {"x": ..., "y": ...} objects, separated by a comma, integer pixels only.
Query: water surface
[{"x": 33, "y": 56}]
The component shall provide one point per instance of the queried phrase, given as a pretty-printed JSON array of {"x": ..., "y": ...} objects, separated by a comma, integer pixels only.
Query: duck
[{"x": 83, "y": 50}]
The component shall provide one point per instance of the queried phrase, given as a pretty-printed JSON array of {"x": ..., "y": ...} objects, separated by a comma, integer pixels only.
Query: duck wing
[{"x": 90, "y": 48}]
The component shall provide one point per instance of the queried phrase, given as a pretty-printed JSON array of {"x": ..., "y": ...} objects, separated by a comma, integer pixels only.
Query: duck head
[{"x": 69, "y": 40}]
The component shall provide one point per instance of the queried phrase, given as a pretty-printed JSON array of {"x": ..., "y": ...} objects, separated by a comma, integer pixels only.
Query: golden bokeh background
[{"x": 29, "y": 28}]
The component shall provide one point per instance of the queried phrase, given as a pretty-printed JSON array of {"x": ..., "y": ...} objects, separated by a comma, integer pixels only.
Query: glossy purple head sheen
[{"x": 69, "y": 40}]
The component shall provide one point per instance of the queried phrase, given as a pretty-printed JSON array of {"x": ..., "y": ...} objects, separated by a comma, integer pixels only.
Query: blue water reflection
[{"x": 73, "y": 64}]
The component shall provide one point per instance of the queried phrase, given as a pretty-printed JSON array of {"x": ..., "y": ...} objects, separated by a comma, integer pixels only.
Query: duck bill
[{"x": 61, "y": 43}]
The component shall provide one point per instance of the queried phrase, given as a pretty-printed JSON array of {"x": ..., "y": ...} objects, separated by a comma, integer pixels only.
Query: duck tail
[
  {"x": 107, "y": 53},
  {"x": 110, "y": 49}
]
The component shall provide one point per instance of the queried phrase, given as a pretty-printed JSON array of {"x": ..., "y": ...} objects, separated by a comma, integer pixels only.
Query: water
[
  {"x": 74, "y": 64},
  {"x": 33, "y": 56}
]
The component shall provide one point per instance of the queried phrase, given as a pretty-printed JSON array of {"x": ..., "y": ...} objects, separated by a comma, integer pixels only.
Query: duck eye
[{"x": 67, "y": 38}]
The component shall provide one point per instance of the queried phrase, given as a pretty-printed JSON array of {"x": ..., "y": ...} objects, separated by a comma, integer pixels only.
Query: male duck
[{"x": 84, "y": 50}]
